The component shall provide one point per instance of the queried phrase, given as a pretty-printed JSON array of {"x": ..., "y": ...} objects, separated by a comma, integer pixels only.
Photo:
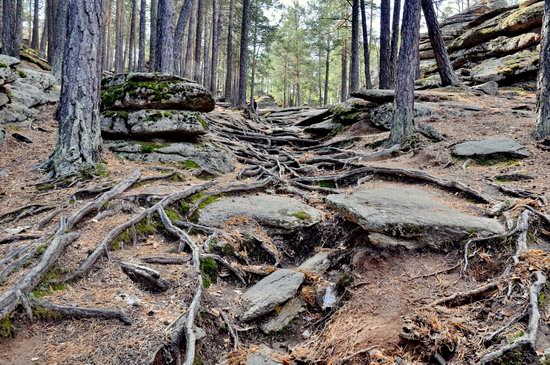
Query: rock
[
  {"x": 383, "y": 241},
  {"x": 280, "y": 213},
  {"x": 146, "y": 124},
  {"x": 273, "y": 290},
  {"x": 323, "y": 128},
  {"x": 33, "y": 57},
  {"x": 261, "y": 358},
  {"x": 288, "y": 312},
  {"x": 505, "y": 68},
  {"x": 192, "y": 156},
  {"x": 2, "y": 136},
  {"x": 3, "y": 99},
  {"x": 430, "y": 132},
  {"x": 489, "y": 88},
  {"x": 21, "y": 137},
  {"x": 8, "y": 61},
  {"x": 267, "y": 102},
  {"x": 152, "y": 91},
  {"x": 491, "y": 148},
  {"x": 410, "y": 214},
  {"x": 378, "y": 96},
  {"x": 318, "y": 263},
  {"x": 7, "y": 75}
]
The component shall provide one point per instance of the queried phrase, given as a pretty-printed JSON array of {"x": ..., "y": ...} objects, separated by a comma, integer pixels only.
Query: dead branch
[
  {"x": 9, "y": 299},
  {"x": 19, "y": 237},
  {"x": 165, "y": 260},
  {"x": 145, "y": 277},
  {"x": 232, "y": 332},
  {"x": 460, "y": 298},
  {"x": 56, "y": 311},
  {"x": 227, "y": 265},
  {"x": 530, "y": 336}
]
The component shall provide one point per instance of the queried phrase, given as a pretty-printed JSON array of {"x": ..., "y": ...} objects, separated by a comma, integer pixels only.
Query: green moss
[
  {"x": 302, "y": 215},
  {"x": 116, "y": 114},
  {"x": 227, "y": 250},
  {"x": 167, "y": 114},
  {"x": 202, "y": 121},
  {"x": 45, "y": 187},
  {"x": 150, "y": 147},
  {"x": 189, "y": 165},
  {"x": 154, "y": 117},
  {"x": 173, "y": 215},
  {"x": 542, "y": 299},
  {"x": 198, "y": 360},
  {"x": 41, "y": 249},
  {"x": 7, "y": 329},
  {"x": 3, "y": 65},
  {"x": 209, "y": 269},
  {"x": 156, "y": 91},
  {"x": 327, "y": 184},
  {"x": 44, "y": 313},
  {"x": 98, "y": 170},
  {"x": 49, "y": 284},
  {"x": 210, "y": 200},
  {"x": 22, "y": 74},
  {"x": 143, "y": 228}
]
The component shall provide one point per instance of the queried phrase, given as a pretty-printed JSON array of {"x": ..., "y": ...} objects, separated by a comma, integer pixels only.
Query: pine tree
[
  {"x": 243, "y": 58},
  {"x": 354, "y": 64},
  {"x": 366, "y": 44},
  {"x": 165, "y": 37},
  {"x": 542, "y": 126},
  {"x": 384, "y": 73},
  {"x": 10, "y": 39},
  {"x": 142, "y": 26}
]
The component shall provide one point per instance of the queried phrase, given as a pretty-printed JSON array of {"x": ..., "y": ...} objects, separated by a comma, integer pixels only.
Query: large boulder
[
  {"x": 491, "y": 148},
  {"x": 273, "y": 290},
  {"x": 280, "y": 213},
  {"x": 151, "y": 91},
  {"x": 170, "y": 124},
  {"x": 194, "y": 156},
  {"x": 410, "y": 214}
]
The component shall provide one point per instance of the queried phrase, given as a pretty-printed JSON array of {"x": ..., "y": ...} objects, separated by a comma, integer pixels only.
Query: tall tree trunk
[
  {"x": 542, "y": 125},
  {"x": 207, "y": 53},
  {"x": 394, "y": 55},
  {"x": 119, "y": 43},
  {"x": 189, "y": 53},
  {"x": 243, "y": 58},
  {"x": 132, "y": 42},
  {"x": 79, "y": 136},
  {"x": 44, "y": 36},
  {"x": 354, "y": 64},
  {"x": 50, "y": 14},
  {"x": 344, "y": 81},
  {"x": 105, "y": 61},
  {"x": 254, "y": 44},
  {"x": 366, "y": 45},
  {"x": 153, "y": 36},
  {"x": 142, "y": 24},
  {"x": 402, "y": 127},
  {"x": 384, "y": 73},
  {"x": 178, "y": 36},
  {"x": 446, "y": 72},
  {"x": 36, "y": 25},
  {"x": 327, "y": 66},
  {"x": 165, "y": 37},
  {"x": 229, "y": 53},
  {"x": 60, "y": 34},
  {"x": 198, "y": 41},
  {"x": 10, "y": 39},
  {"x": 216, "y": 35},
  {"x": 285, "y": 82}
]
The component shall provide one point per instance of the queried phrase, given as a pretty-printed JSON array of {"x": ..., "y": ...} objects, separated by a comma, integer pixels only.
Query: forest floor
[{"x": 389, "y": 289}]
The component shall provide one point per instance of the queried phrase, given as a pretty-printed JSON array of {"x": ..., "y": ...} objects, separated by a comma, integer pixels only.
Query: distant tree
[
  {"x": 344, "y": 81},
  {"x": 366, "y": 43},
  {"x": 446, "y": 72},
  {"x": 79, "y": 137},
  {"x": 35, "y": 25},
  {"x": 542, "y": 125},
  {"x": 384, "y": 73},
  {"x": 11, "y": 41},
  {"x": 165, "y": 37},
  {"x": 402, "y": 126},
  {"x": 243, "y": 57},
  {"x": 132, "y": 37},
  {"x": 216, "y": 38},
  {"x": 394, "y": 41},
  {"x": 198, "y": 40},
  {"x": 183, "y": 19},
  {"x": 228, "y": 92},
  {"x": 119, "y": 43},
  {"x": 354, "y": 64},
  {"x": 142, "y": 26},
  {"x": 59, "y": 39},
  {"x": 153, "y": 35}
]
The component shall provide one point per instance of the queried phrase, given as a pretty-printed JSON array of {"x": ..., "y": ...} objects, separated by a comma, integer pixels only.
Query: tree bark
[
  {"x": 206, "y": 57},
  {"x": 36, "y": 25},
  {"x": 394, "y": 55},
  {"x": 229, "y": 53},
  {"x": 217, "y": 23},
  {"x": 366, "y": 46},
  {"x": 327, "y": 66},
  {"x": 446, "y": 72},
  {"x": 119, "y": 43},
  {"x": 344, "y": 81},
  {"x": 198, "y": 41},
  {"x": 132, "y": 41},
  {"x": 384, "y": 73},
  {"x": 402, "y": 128},
  {"x": 142, "y": 24},
  {"x": 243, "y": 58},
  {"x": 10, "y": 42},
  {"x": 254, "y": 45},
  {"x": 50, "y": 14},
  {"x": 178, "y": 37},
  {"x": 79, "y": 136},
  {"x": 189, "y": 53},
  {"x": 44, "y": 37},
  {"x": 165, "y": 37},
  {"x": 542, "y": 125},
  {"x": 153, "y": 36},
  {"x": 354, "y": 64},
  {"x": 60, "y": 32}
]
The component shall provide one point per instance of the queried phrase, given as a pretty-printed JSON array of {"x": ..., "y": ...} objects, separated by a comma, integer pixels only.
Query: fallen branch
[
  {"x": 460, "y": 298},
  {"x": 165, "y": 260},
  {"x": 146, "y": 277},
  {"x": 232, "y": 332},
  {"x": 56, "y": 311}
]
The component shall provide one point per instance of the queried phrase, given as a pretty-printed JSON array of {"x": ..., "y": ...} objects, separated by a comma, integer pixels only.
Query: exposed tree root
[
  {"x": 145, "y": 277},
  {"x": 165, "y": 260},
  {"x": 460, "y": 298},
  {"x": 49, "y": 310}
]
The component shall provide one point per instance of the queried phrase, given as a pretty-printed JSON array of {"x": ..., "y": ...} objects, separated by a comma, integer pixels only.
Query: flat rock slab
[
  {"x": 282, "y": 319},
  {"x": 410, "y": 213},
  {"x": 273, "y": 290},
  {"x": 186, "y": 155},
  {"x": 489, "y": 88},
  {"x": 491, "y": 148},
  {"x": 172, "y": 124},
  {"x": 276, "y": 212},
  {"x": 261, "y": 358},
  {"x": 318, "y": 263},
  {"x": 8, "y": 61},
  {"x": 323, "y": 128}
]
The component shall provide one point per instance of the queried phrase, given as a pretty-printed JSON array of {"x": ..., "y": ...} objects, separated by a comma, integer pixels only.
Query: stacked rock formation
[
  {"x": 157, "y": 118},
  {"x": 490, "y": 41}
]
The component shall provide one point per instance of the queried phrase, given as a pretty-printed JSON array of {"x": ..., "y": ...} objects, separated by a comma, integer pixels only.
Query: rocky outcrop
[
  {"x": 267, "y": 102},
  {"x": 411, "y": 215},
  {"x": 23, "y": 90},
  {"x": 491, "y": 41},
  {"x": 491, "y": 149},
  {"x": 154, "y": 117}
]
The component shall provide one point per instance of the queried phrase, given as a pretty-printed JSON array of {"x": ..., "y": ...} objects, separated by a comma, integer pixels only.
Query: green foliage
[
  {"x": 172, "y": 214},
  {"x": 150, "y": 147},
  {"x": 22, "y": 74},
  {"x": 49, "y": 284},
  {"x": 302, "y": 215},
  {"x": 7, "y": 329},
  {"x": 209, "y": 269}
]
